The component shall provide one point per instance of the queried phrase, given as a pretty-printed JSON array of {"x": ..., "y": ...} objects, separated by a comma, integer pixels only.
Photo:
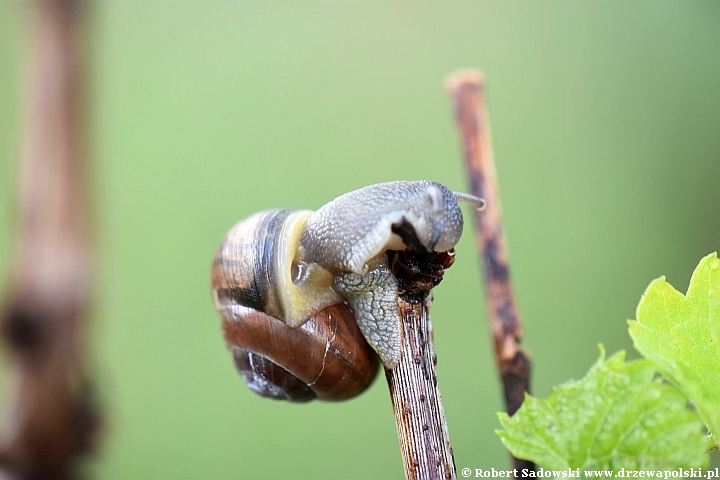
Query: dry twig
[
  {"x": 419, "y": 414},
  {"x": 468, "y": 92}
]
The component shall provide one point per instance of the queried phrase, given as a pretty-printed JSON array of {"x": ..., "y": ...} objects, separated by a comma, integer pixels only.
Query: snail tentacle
[{"x": 477, "y": 202}]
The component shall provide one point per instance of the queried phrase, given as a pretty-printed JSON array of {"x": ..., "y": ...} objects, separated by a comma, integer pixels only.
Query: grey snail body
[{"x": 292, "y": 265}]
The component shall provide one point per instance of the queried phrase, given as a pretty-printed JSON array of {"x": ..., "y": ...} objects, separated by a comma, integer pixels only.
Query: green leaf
[
  {"x": 680, "y": 335},
  {"x": 618, "y": 416}
]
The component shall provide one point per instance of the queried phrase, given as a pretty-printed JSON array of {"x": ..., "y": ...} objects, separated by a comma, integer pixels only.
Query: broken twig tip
[{"x": 464, "y": 77}]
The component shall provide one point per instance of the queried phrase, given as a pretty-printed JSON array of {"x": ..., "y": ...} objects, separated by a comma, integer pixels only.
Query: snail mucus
[{"x": 308, "y": 300}]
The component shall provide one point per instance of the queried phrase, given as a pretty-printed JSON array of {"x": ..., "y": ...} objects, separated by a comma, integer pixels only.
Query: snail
[{"x": 308, "y": 300}]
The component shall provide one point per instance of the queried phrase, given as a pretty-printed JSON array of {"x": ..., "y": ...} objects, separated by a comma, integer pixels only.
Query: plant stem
[
  {"x": 52, "y": 419},
  {"x": 468, "y": 92},
  {"x": 419, "y": 415}
]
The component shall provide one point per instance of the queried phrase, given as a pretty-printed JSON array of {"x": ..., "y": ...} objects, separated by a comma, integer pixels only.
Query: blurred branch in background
[
  {"x": 51, "y": 420},
  {"x": 468, "y": 92}
]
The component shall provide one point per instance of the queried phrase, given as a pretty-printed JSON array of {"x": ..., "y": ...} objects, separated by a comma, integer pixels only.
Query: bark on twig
[
  {"x": 52, "y": 418},
  {"x": 419, "y": 414},
  {"x": 468, "y": 93}
]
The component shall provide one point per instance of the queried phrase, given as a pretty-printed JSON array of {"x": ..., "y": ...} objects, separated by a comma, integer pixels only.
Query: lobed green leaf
[
  {"x": 618, "y": 416},
  {"x": 680, "y": 335}
]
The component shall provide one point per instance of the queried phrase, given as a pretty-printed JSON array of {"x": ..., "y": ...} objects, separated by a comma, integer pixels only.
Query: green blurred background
[{"x": 606, "y": 128}]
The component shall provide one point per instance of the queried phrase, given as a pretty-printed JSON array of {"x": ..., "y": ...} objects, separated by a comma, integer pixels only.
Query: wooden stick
[
  {"x": 419, "y": 415},
  {"x": 52, "y": 418},
  {"x": 468, "y": 92}
]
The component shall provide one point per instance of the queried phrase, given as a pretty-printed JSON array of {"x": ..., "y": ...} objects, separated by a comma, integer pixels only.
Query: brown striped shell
[{"x": 324, "y": 357}]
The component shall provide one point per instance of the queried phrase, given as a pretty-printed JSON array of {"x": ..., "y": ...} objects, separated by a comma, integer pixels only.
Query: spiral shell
[{"x": 325, "y": 356}]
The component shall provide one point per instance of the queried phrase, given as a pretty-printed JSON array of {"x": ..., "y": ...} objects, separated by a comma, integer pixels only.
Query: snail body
[{"x": 293, "y": 265}]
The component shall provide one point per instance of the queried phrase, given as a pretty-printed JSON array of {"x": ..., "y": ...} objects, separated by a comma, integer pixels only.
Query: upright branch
[
  {"x": 51, "y": 420},
  {"x": 468, "y": 93},
  {"x": 419, "y": 414}
]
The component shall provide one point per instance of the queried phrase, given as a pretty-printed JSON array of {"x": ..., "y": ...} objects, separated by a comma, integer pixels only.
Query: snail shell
[
  {"x": 325, "y": 358},
  {"x": 296, "y": 272}
]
